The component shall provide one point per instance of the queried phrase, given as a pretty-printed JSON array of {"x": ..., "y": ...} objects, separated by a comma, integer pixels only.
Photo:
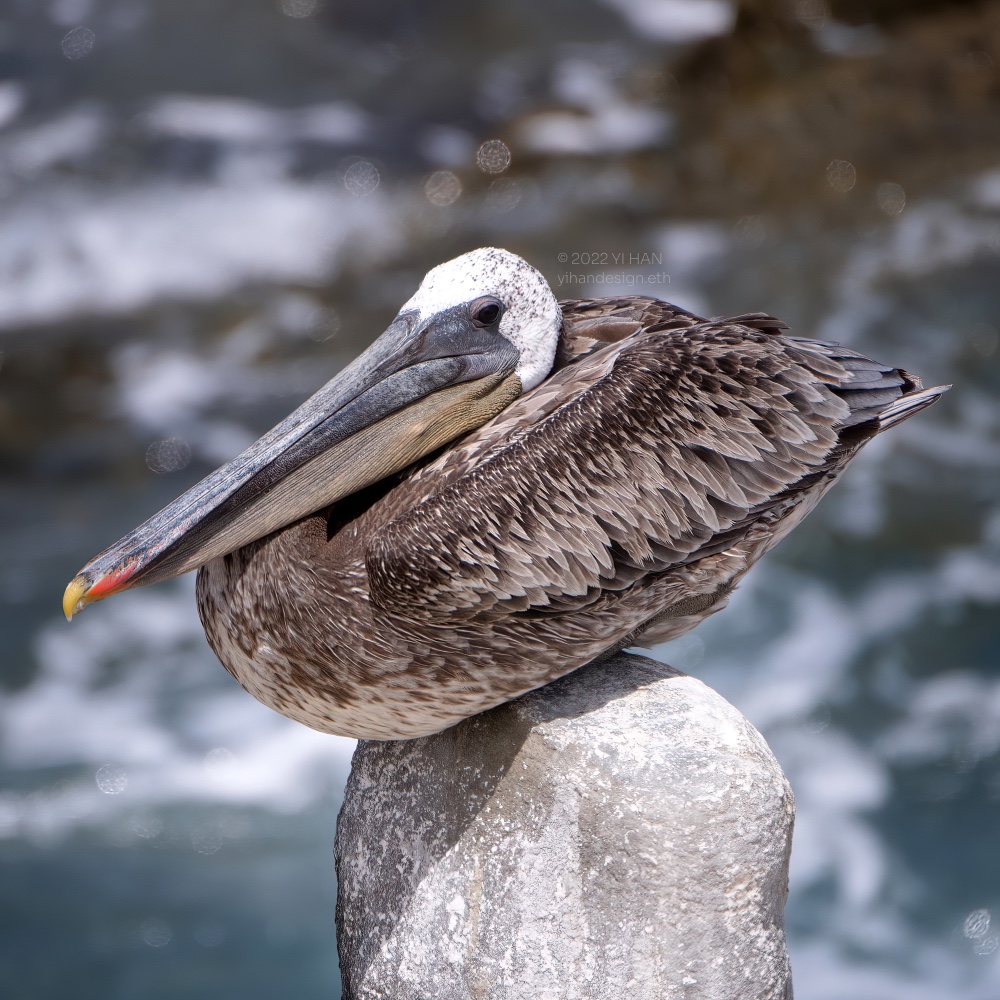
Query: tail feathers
[
  {"x": 904, "y": 407},
  {"x": 878, "y": 397}
]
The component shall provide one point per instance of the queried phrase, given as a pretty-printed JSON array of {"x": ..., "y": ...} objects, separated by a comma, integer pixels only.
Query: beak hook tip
[{"x": 74, "y": 596}]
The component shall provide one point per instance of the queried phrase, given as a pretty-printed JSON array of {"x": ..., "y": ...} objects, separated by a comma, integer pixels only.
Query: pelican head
[
  {"x": 480, "y": 330},
  {"x": 496, "y": 287}
]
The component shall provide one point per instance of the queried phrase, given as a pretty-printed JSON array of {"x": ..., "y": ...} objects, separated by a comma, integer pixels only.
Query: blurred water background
[{"x": 208, "y": 206}]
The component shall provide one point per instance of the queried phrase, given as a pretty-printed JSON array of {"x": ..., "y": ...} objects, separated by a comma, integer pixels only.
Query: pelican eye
[{"x": 485, "y": 312}]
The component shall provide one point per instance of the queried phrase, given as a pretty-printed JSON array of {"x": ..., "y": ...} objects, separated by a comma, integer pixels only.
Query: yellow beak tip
[{"x": 74, "y": 597}]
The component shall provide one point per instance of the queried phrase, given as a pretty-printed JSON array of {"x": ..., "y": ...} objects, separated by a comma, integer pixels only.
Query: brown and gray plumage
[{"x": 616, "y": 502}]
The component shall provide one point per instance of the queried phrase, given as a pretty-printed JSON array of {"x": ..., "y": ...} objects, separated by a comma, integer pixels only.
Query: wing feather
[{"x": 645, "y": 450}]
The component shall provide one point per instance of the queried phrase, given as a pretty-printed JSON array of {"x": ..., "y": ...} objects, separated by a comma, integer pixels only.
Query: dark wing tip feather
[
  {"x": 904, "y": 407},
  {"x": 874, "y": 393}
]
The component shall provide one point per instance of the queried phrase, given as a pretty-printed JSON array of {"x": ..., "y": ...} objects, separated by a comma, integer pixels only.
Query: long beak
[{"x": 411, "y": 392}]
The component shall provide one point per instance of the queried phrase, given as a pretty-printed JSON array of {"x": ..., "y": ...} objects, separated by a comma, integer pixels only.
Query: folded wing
[{"x": 661, "y": 439}]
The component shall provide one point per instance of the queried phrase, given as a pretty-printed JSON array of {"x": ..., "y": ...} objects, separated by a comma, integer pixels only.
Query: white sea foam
[
  {"x": 99, "y": 705},
  {"x": 677, "y": 21},
  {"x": 68, "y": 137},
  {"x": 822, "y": 972},
  {"x": 77, "y": 251},
  {"x": 12, "y": 100},
  {"x": 600, "y": 119},
  {"x": 228, "y": 120},
  {"x": 927, "y": 238}
]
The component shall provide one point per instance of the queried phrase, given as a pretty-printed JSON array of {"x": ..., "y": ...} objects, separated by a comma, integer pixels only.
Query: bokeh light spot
[
  {"x": 984, "y": 338},
  {"x": 891, "y": 198},
  {"x": 170, "y": 455},
  {"x": 493, "y": 157},
  {"x": 206, "y": 839},
  {"x": 324, "y": 324},
  {"x": 986, "y": 945},
  {"x": 77, "y": 43},
  {"x": 361, "y": 178},
  {"x": 146, "y": 826},
  {"x": 300, "y": 8},
  {"x": 442, "y": 188},
  {"x": 977, "y": 924},
  {"x": 812, "y": 13},
  {"x": 156, "y": 933},
  {"x": 220, "y": 757},
  {"x": 841, "y": 175},
  {"x": 504, "y": 195},
  {"x": 112, "y": 779},
  {"x": 753, "y": 231}
]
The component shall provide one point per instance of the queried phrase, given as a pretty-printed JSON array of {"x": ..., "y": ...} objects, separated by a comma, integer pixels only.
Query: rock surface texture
[{"x": 623, "y": 832}]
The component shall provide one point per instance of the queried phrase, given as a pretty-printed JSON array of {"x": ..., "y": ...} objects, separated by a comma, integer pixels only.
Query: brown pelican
[{"x": 501, "y": 489}]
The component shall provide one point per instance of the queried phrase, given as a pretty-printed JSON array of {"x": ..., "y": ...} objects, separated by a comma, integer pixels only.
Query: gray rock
[{"x": 623, "y": 832}]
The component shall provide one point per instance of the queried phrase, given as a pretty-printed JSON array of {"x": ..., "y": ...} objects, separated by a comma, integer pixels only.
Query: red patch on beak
[{"x": 110, "y": 584}]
